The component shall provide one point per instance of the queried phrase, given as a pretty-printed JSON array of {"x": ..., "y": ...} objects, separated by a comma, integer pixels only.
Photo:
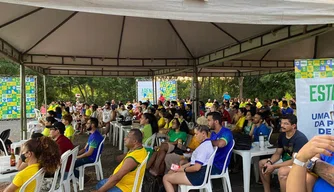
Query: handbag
[{"x": 242, "y": 141}]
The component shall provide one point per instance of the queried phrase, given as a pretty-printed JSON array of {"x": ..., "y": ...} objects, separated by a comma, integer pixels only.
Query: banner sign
[
  {"x": 167, "y": 88},
  {"x": 315, "y": 96},
  {"x": 10, "y": 93}
]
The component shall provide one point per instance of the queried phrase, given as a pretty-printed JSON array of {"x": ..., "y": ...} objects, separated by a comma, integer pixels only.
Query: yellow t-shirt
[
  {"x": 161, "y": 122},
  {"x": 24, "y": 176},
  {"x": 258, "y": 105},
  {"x": 63, "y": 113},
  {"x": 46, "y": 132},
  {"x": 126, "y": 183},
  {"x": 240, "y": 123},
  {"x": 168, "y": 125},
  {"x": 69, "y": 132},
  {"x": 53, "y": 107},
  {"x": 88, "y": 112},
  {"x": 208, "y": 105},
  {"x": 242, "y": 105}
]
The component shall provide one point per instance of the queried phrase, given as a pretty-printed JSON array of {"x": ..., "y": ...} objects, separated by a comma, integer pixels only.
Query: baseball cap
[{"x": 58, "y": 125}]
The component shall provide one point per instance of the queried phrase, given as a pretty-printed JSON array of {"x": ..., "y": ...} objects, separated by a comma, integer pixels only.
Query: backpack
[
  {"x": 152, "y": 183},
  {"x": 242, "y": 141}
]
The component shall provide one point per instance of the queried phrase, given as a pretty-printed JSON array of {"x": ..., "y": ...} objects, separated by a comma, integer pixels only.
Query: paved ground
[{"x": 108, "y": 162}]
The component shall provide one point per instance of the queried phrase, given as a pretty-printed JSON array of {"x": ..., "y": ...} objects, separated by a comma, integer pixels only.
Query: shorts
[{"x": 197, "y": 178}]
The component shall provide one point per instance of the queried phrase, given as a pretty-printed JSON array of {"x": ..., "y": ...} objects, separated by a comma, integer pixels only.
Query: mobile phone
[
  {"x": 9, "y": 171},
  {"x": 264, "y": 169}
]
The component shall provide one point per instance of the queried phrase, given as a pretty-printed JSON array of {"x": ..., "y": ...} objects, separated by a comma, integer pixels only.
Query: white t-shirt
[
  {"x": 73, "y": 109},
  {"x": 202, "y": 153},
  {"x": 106, "y": 115}
]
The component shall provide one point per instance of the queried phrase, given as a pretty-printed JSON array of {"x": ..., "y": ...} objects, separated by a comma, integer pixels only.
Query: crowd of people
[{"x": 216, "y": 127}]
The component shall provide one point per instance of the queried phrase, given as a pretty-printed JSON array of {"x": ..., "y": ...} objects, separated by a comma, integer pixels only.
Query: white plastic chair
[
  {"x": 225, "y": 175},
  {"x": 39, "y": 180},
  {"x": 152, "y": 140},
  {"x": 96, "y": 163},
  {"x": 4, "y": 147},
  {"x": 70, "y": 176},
  {"x": 138, "y": 184},
  {"x": 206, "y": 183},
  {"x": 61, "y": 170}
]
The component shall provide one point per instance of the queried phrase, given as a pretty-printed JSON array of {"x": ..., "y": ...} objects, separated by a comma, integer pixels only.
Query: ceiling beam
[
  {"x": 52, "y": 31},
  {"x": 20, "y": 17},
  {"x": 10, "y": 51},
  {"x": 227, "y": 33},
  {"x": 177, "y": 33},
  {"x": 120, "y": 39},
  {"x": 270, "y": 40}
]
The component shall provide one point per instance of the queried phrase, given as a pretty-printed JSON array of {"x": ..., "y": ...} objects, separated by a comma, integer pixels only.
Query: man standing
[
  {"x": 125, "y": 173},
  {"x": 223, "y": 139},
  {"x": 89, "y": 153},
  {"x": 106, "y": 116},
  {"x": 162, "y": 98},
  {"x": 286, "y": 109},
  {"x": 290, "y": 142},
  {"x": 227, "y": 97},
  {"x": 57, "y": 131}
]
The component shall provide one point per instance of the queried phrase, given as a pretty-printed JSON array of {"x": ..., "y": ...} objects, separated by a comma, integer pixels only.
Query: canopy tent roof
[{"x": 71, "y": 38}]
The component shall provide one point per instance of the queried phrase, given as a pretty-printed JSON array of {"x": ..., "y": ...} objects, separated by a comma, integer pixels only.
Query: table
[
  {"x": 4, "y": 163},
  {"x": 122, "y": 129},
  {"x": 114, "y": 131},
  {"x": 247, "y": 156}
]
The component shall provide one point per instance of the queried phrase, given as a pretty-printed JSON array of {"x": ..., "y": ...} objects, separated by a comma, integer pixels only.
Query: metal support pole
[
  {"x": 153, "y": 91},
  {"x": 23, "y": 118},
  {"x": 241, "y": 87},
  {"x": 195, "y": 91},
  {"x": 156, "y": 91},
  {"x": 44, "y": 84}
]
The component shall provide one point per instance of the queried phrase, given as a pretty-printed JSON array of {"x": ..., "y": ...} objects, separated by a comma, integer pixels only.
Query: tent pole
[
  {"x": 156, "y": 91},
  {"x": 195, "y": 92},
  {"x": 44, "y": 84},
  {"x": 241, "y": 87},
  {"x": 23, "y": 118},
  {"x": 153, "y": 91}
]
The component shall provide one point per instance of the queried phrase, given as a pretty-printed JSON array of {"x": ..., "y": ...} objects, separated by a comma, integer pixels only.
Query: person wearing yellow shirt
[
  {"x": 49, "y": 121},
  {"x": 208, "y": 104},
  {"x": 258, "y": 103},
  {"x": 36, "y": 153},
  {"x": 69, "y": 130},
  {"x": 52, "y": 106},
  {"x": 237, "y": 128},
  {"x": 161, "y": 121},
  {"x": 124, "y": 175}
]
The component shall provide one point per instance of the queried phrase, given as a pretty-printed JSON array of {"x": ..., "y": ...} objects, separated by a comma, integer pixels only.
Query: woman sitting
[
  {"x": 176, "y": 138},
  {"x": 150, "y": 125},
  {"x": 37, "y": 153},
  {"x": 192, "y": 173}
]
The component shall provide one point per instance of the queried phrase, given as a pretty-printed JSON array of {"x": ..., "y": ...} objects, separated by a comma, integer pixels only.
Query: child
[{"x": 69, "y": 130}]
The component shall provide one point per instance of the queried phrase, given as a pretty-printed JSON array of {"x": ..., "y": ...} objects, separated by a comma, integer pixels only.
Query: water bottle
[
  {"x": 265, "y": 140},
  {"x": 261, "y": 139}
]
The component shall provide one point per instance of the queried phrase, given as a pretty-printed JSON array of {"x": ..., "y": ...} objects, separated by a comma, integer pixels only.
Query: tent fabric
[
  {"x": 57, "y": 40},
  {"x": 278, "y": 12}
]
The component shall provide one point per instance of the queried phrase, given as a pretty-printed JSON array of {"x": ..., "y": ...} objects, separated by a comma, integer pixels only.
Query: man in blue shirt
[
  {"x": 286, "y": 110},
  {"x": 223, "y": 139},
  {"x": 259, "y": 128},
  {"x": 89, "y": 153},
  {"x": 227, "y": 97}
]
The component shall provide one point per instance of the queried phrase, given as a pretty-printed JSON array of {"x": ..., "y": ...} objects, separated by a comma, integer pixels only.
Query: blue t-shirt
[
  {"x": 287, "y": 111},
  {"x": 322, "y": 185},
  {"x": 221, "y": 153},
  {"x": 264, "y": 129},
  {"x": 94, "y": 141},
  {"x": 226, "y": 97}
]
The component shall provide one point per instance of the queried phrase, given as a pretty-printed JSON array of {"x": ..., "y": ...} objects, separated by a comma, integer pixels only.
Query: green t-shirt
[
  {"x": 147, "y": 131},
  {"x": 174, "y": 136},
  {"x": 275, "y": 109}
]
